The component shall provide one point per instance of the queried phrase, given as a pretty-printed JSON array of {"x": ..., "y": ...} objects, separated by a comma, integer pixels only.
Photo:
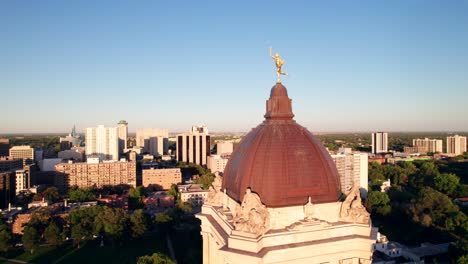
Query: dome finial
[{"x": 279, "y": 63}]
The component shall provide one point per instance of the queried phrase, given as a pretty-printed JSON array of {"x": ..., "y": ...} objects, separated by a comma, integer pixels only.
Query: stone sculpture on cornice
[
  {"x": 251, "y": 216},
  {"x": 352, "y": 209}
]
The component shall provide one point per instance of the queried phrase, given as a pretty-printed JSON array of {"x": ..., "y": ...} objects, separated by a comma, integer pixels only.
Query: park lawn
[{"x": 91, "y": 252}]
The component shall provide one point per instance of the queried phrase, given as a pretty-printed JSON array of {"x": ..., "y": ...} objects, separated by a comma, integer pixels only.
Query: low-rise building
[
  {"x": 98, "y": 174},
  {"x": 415, "y": 149},
  {"x": 193, "y": 193},
  {"x": 75, "y": 153},
  {"x": 49, "y": 164},
  {"x": 163, "y": 178},
  {"x": 217, "y": 163},
  {"x": 159, "y": 201}
]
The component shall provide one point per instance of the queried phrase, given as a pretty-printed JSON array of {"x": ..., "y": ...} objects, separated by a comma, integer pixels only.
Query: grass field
[{"x": 91, "y": 252}]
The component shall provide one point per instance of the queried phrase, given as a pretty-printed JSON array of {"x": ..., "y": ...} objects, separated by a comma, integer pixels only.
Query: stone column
[{"x": 206, "y": 248}]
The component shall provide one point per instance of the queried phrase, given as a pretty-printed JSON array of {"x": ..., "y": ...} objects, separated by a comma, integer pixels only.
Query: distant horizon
[{"x": 243, "y": 132}]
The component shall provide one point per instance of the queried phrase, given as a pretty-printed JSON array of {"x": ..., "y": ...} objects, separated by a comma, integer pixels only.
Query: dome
[{"x": 281, "y": 161}]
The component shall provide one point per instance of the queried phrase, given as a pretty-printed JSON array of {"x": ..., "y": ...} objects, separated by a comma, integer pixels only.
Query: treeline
[
  {"x": 421, "y": 199},
  {"x": 205, "y": 177}
]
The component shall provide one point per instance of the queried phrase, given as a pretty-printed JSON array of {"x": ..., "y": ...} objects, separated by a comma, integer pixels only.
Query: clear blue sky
[{"x": 354, "y": 65}]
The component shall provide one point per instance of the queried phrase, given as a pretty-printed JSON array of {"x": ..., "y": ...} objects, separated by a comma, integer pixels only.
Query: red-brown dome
[{"x": 281, "y": 161}]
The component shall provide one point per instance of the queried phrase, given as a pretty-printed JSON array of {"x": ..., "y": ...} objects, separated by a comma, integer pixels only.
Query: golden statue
[{"x": 279, "y": 63}]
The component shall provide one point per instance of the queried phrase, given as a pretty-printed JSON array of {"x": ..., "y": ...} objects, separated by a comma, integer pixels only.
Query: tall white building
[
  {"x": 122, "y": 128},
  {"x": 456, "y": 145},
  {"x": 352, "y": 167},
  {"x": 379, "y": 142},
  {"x": 429, "y": 145},
  {"x": 153, "y": 140},
  {"x": 193, "y": 147},
  {"x": 102, "y": 142}
]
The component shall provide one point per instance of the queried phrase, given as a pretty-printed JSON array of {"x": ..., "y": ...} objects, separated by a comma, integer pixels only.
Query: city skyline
[{"x": 381, "y": 66}]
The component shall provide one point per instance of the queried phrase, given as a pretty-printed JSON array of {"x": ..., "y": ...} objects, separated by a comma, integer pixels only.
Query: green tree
[
  {"x": 184, "y": 207},
  {"x": 81, "y": 195},
  {"x": 5, "y": 237},
  {"x": 139, "y": 223},
  {"x": 163, "y": 221},
  {"x": 156, "y": 258},
  {"x": 51, "y": 194},
  {"x": 30, "y": 239},
  {"x": 378, "y": 202},
  {"x": 446, "y": 183},
  {"x": 206, "y": 180},
  {"x": 174, "y": 192},
  {"x": 79, "y": 234},
  {"x": 52, "y": 234},
  {"x": 112, "y": 222},
  {"x": 433, "y": 208},
  {"x": 136, "y": 197},
  {"x": 376, "y": 172}
]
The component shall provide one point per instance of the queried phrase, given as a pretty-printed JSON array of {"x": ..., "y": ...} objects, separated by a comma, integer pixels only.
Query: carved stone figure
[
  {"x": 215, "y": 193},
  {"x": 252, "y": 216},
  {"x": 352, "y": 209}
]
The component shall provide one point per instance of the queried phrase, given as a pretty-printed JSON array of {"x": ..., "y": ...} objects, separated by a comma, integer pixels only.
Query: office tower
[
  {"x": 162, "y": 178},
  {"x": 102, "y": 142},
  {"x": 122, "y": 127},
  {"x": 4, "y": 147},
  {"x": 379, "y": 142},
  {"x": 22, "y": 152},
  {"x": 456, "y": 145},
  {"x": 193, "y": 147},
  {"x": 352, "y": 168},
  {"x": 224, "y": 147},
  {"x": 95, "y": 173},
  {"x": 7, "y": 188},
  {"x": 153, "y": 140},
  {"x": 428, "y": 145}
]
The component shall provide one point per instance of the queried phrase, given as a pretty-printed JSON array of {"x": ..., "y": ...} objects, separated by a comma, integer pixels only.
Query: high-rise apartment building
[
  {"x": 456, "y": 145},
  {"x": 429, "y": 145},
  {"x": 352, "y": 168},
  {"x": 163, "y": 178},
  {"x": 99, "y": 174},
  {"x": 193, "y": 147},
  {"x": 379, "y": 142},
  {"x": 153, "y": 140},
  {"x": 22, "y": 152},
  {"x": 102, "y": 142},
  {"x": 122, "y": 128},
  {"x": 4, "y": 147}
]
